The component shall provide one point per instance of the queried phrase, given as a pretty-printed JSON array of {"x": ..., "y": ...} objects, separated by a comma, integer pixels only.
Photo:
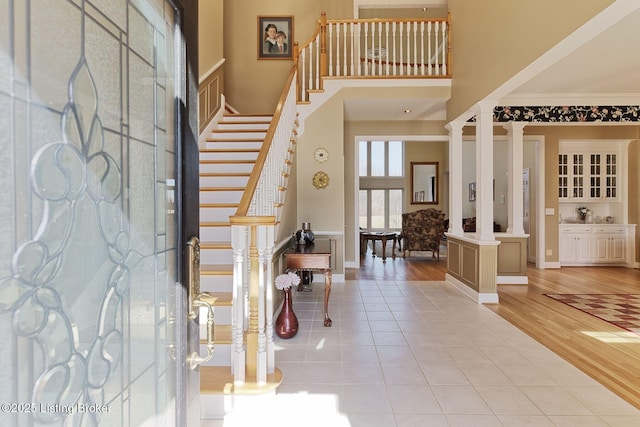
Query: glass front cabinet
[{"x": 588, "y": 176}]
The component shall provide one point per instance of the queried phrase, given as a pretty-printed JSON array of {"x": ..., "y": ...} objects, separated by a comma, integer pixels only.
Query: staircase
[{"x": 226, "y": 162}]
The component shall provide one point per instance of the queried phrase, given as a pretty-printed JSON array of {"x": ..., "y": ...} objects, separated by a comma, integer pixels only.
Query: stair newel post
[
  {"x": 323, "y": 47},
  {"x": 254, "y": 284},
  {"x": 268, "y": 256},
  {"x": 261, "y": 348},
  {"x": 238, "y": 357}
]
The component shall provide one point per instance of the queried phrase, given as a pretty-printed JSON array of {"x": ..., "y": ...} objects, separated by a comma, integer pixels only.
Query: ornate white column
[
  {"x": 455, "y": 177},
  {"x": 515, "y": 209},
  {"x": 484, "y": 172}
]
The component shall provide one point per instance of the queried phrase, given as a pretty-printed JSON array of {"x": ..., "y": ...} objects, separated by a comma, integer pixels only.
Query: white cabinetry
[
  {"x": 588, "y": 176},
  {"x": 575, "y": 244},
  {"x": 609, "y": 244},
  {"x": 586, "y": 244}
]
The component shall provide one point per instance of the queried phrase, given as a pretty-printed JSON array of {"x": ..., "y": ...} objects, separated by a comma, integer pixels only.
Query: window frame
[{"x": 369, "y": 183}]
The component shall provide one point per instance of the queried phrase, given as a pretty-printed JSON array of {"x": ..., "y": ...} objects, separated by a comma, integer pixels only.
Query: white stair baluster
[
  {"x": 444, "y": 48},
  {"x": 429, "y": 44},
  {"x": 330, "y": 31}
]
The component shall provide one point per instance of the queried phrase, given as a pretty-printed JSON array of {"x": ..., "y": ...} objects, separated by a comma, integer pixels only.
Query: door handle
[{"x": 197, "y": 300}]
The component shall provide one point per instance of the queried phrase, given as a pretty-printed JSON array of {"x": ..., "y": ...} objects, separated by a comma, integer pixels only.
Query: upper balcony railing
[{"x": 373, "y": 48}]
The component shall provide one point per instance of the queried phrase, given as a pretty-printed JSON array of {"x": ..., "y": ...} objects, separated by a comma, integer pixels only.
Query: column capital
[
  {"x": 455, "y": 126},
  {"x": 514, "y": 126}
]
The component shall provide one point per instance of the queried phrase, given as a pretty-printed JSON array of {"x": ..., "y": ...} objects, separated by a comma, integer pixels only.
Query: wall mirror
[{"x": 424, "y": 183}]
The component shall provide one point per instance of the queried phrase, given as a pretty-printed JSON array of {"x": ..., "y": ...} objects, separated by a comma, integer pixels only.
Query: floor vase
[{"x": 287, "y": 322}]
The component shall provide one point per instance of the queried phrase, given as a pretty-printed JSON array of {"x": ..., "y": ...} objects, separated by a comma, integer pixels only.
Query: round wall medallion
[
  {"x": 321, "y": 155},
  {"x": 320, "y": 180}
]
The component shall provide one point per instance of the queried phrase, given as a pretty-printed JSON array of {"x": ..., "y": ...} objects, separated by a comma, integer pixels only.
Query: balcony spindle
[
  {"x": 394, "y": 47},
  {"x": 415, "y": 48},
  {"x": 344, "y": 47},
  {"x": 330, "y": 31},
  {"x": 444, "y": 49}
]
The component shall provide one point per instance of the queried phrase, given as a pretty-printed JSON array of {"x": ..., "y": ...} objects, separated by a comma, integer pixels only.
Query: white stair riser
[
  {"x": 220, "y": 196},
  {"x": 229, "y": 155},
  {"x": 223, "y": 181},
  {"x": 242, "y": 125},
  {"x": 216, "y": 283},
  {"x": 233, "y": 145},
  {"x": 225, "y": 167},
  {"x": 239, "y": 135},
  {"x": 215, "y": 234},
  {"x": 221, "y": 355},
  {"x": 216, "y": 214},
  {"x": 215, "y": 256},
  {"x": 238, "y": 118}
]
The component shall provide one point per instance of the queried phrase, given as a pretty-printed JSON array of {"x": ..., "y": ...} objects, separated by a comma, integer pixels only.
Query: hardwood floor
[{"x": 603, "y": 351}]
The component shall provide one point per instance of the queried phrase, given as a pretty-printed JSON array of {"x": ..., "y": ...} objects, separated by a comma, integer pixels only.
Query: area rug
[{"x": 622, "y": 310}]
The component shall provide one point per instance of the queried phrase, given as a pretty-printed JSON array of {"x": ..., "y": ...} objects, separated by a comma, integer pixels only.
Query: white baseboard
[
  {"x": 551, "y": 265},
  {"x": 512, "y": 280},
  {"x": 480, "y": 298}
]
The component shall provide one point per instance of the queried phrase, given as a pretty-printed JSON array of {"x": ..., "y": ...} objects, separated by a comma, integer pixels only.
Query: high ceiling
[{"x": 599, "y": 64}]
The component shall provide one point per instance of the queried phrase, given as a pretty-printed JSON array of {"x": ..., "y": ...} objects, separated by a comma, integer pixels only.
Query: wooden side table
[{"x": 315, "y": 256}]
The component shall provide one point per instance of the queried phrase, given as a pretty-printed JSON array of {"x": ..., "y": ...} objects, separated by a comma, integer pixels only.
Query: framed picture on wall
[
  {"x": 472, "y": 191},
  {"x": 275, "y": 37}
]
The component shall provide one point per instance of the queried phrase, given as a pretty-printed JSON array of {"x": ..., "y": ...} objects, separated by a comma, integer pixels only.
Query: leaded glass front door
[{"x": 89, "y": 294}]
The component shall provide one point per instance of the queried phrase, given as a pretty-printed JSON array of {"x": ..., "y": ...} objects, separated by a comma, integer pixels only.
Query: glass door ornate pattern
[{"x": 88, "y": 254}]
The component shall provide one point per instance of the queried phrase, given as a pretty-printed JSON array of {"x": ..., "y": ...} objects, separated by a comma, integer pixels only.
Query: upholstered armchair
[{"x": 423, "y": 231}]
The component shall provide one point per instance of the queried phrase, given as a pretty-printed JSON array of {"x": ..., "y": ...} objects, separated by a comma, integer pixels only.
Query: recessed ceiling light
[{"x": 408, "y": 110}]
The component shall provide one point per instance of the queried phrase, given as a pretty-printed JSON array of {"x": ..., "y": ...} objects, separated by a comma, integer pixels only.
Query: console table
[{"x": 315, "y": 256}]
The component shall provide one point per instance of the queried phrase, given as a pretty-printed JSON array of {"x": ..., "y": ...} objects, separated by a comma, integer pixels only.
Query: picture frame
[
  {"x": 472, "y": 191},
  {"x": 271, "y": 30}
]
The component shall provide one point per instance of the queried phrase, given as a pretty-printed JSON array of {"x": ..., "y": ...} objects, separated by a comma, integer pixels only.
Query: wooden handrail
[{"x": 252, "y": 183}]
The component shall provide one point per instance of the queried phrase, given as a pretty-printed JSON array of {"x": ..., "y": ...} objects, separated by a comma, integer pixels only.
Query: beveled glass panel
[{"x": 89, "y": 256}]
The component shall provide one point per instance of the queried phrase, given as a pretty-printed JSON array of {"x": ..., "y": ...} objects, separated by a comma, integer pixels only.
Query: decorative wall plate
[
  {"x": 321, "y": 155},
  {"x": 320, "y": 180}
]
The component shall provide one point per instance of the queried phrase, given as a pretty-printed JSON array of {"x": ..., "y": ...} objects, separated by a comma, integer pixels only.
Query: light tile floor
[{"x": 421, "y": 354}]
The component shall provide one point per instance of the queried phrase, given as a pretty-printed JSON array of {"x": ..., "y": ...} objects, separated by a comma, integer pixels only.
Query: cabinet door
[
  {"x": 600, "y": 250},
  {"x": 563, "y": 176},
  {"x": 577, "y": 176},
  {"x": 571, "y": 176},
  {"x": 567, "y": 248},
  {"x": 617, "y": 247},
  {"x": 583, "y": 249},
  {"x": 610, "y": 173},
  {"x": 595, "y": 176}
]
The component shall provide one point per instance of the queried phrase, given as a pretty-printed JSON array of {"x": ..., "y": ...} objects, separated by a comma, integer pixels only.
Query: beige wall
[
  {"x": 426, "y": 151},
  {"x": 323, "y": 208},
  {"x": 505, "y": 32},
  {"x": 210, "y": 35},
  {"x": 252, "y": 85}
]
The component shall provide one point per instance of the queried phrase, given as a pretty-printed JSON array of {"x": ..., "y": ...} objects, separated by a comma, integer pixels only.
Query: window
[{"x": 381, "y": 171}]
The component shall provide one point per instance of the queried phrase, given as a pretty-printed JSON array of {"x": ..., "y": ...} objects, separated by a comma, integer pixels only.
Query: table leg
[
  {"x": 384, "y": 248},
  {"x": 393, "y": 248},
  {"x": 373, "y": 247},
  {"x": 327, "y": 291}
]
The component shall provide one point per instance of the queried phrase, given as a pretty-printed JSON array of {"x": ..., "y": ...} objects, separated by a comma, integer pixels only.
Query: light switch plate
[{"x": 549, "y": 211}]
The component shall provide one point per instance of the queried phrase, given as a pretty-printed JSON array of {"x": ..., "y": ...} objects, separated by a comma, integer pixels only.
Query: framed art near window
[{"x": 275, "y": 37}]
